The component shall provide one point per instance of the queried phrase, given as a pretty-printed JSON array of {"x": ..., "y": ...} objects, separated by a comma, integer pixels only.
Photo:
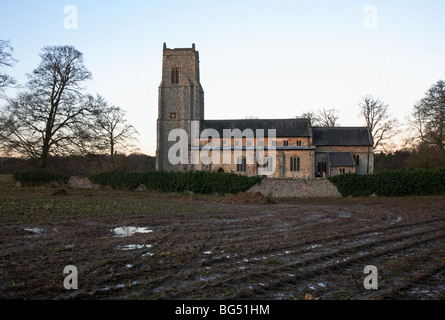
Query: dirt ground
[{"x": 180, "y": 246}]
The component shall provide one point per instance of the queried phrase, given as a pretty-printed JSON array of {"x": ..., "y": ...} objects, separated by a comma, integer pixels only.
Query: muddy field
[{"x": 128, "y": 245}]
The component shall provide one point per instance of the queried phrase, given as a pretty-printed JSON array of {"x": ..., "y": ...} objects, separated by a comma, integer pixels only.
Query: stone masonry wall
[{"x": 296, "y": 188}]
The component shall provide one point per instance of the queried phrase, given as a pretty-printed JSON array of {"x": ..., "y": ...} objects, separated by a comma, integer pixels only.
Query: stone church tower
[{"x": 181, "y": 100}]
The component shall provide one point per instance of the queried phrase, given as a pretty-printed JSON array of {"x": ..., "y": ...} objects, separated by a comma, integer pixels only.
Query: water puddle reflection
[
  {"x": 134, "y": 246},
  {"x": 129, "y": 231}
]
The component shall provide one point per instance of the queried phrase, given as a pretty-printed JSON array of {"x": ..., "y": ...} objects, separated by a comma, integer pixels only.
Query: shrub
[
  {"x": 38, "y": 177},
  {"x": 392, "y": 183},
  {"x": 198, "y": 181}
]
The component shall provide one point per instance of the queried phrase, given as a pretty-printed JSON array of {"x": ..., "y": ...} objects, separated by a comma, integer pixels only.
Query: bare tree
[
  {"x": 49, "y": 116},
  {"x": 6, "y": 60},
  {"x": 310, "y": 116},
  {"x": 378, "y": 119},
  {"x": 428, "y": 117},
  {"x": 112, "y": 132},
  {"x": 327, "y": 117},
  {"x": 323, "y": 118}
]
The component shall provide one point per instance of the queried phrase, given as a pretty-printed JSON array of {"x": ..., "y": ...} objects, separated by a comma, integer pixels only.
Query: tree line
[
  {"x": 53, "y": 115},
  {"x": 423, "y": 131}
]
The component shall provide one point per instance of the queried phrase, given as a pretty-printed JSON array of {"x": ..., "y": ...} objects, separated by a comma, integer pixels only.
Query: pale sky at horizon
[{"x": 268, "y": 59}]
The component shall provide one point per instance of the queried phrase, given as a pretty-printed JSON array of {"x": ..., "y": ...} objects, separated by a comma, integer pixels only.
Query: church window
[
  {"x": 299, "y": 143},
  {"x": 172, "y": 115},
  {"x": 357, "y": 160},
  {"x": 175, "y": 74},
  {"x": 241, "y": 164},
  {"x": 285, "y": 143},
  {"x": 322, "y": 167},
  {"x": 295, "y": 164}
]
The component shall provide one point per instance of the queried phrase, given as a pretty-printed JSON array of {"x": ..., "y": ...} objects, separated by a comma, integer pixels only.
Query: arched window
[
  {"x": 175, "y": 74},
  {"x": 295, "y": 164},
  {"x": 241, "y": 164}
]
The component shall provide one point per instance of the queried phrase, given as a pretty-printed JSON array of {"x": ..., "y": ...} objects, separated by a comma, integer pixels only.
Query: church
[{"x": 295, "y": 148}]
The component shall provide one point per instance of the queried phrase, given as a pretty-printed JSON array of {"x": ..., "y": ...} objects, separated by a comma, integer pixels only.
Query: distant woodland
[{"x": 81, "y": 165}]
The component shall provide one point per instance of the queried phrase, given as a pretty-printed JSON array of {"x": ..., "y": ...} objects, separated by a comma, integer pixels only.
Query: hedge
[
  {"x": 202, "y": 182},
  {"x": 38, "y": 177},
  {"x": 394, "y": 183}
]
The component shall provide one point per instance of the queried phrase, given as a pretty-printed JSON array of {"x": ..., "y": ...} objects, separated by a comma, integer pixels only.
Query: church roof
[
  {"x": 341, "y": 159},
  {"x": 283, "y": 127},
  {"x": 341, "y": 136}
]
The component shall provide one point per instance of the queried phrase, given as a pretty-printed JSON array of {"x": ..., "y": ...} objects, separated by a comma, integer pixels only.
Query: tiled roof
[
  {"x": 283, "y": 127},
  {"x": 341, "y": 136}
]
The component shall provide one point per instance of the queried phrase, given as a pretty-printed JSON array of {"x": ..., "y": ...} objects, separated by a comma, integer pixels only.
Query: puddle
[
  {"x": 35, "y": 230},
  {"x": 134, "y": 246},
  {"x": 313, "y": 287},
  {"x": 129, "y": 231},
  {"x": 148, "y": 254},
  {"x": 344, "y": 215}
]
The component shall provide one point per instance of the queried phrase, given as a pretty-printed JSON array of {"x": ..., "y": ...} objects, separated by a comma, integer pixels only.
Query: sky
[{"x": 265, "y": 59}]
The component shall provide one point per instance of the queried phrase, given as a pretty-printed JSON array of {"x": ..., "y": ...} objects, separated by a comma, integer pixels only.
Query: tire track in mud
[
  {"x": 192, "y": 264},
  {"x": 321, "y": 259},
  {"x": 328, "y": 285},
  {"x": 322, "y": 237},
  {"x": 342, "y": 281},
  {"x": 309, "y": 245},
  {"x": 167, "y": 285},
  {"x": 328, "y": 266},
  {"x": 428, "y": 264}
]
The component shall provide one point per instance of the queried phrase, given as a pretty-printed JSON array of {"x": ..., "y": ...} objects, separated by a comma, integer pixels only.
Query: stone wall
[{"x": 296, "y": 188}]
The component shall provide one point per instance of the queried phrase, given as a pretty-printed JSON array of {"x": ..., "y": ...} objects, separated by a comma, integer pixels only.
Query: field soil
[{"x": 142, "y": 245}]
